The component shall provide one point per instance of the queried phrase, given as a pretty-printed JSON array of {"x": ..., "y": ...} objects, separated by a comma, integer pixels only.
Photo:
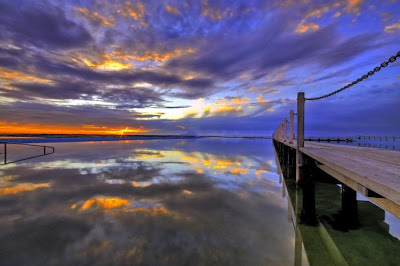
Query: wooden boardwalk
[{"x": 374, "y": 173}]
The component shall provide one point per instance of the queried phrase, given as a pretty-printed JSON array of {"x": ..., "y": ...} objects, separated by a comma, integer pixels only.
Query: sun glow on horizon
[
  {"x": 126, "y": 130},
  {"x": 15, "y": 128}
]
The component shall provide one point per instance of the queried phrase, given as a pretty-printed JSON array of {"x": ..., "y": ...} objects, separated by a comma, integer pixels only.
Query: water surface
[
  {"x": 206, "y": 201},
  {"x": 152, "y": 202}
]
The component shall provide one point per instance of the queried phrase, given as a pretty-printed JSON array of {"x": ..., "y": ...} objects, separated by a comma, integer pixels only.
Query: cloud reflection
[{"x": 149, "y": 202}]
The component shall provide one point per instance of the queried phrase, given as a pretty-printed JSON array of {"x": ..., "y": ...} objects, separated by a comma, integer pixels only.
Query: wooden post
[
  {"x": 284, "y": 130},
  {"x": 291, "y": 122},
  {"x": 349, "y": 207},
  {"x": 300, "y": 133},
  {"x": 280, "y": 132},
  {"x": 277, "y": 133}
]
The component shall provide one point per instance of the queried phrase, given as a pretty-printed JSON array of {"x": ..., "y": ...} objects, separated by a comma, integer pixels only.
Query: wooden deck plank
[
  {"x": 364, "y": 161},
  {"x": 383, "y": 182},
  {"x": 375, "y": 169},
  {"x": 385, "y": 156}
]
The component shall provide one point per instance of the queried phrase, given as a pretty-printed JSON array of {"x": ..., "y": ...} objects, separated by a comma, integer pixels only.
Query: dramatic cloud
[
  {"x": 163, "y": 65},
  {"x": 41, "y": 25}
]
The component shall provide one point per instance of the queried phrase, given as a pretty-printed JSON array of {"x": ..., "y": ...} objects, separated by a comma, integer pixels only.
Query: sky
[{"x": 197, "y": 67}]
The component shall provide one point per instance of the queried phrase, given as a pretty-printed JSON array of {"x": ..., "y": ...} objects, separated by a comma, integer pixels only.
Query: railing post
[
  {"x": 284, "y": 130},
  {"x": 281, "y": 128},
  {"x": 300, "y": 133},
  {"x": 279, "y": 132},
  {"x": 291, "y": 122}
]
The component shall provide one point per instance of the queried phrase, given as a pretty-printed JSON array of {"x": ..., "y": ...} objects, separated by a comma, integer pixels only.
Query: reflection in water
[
  {"x": 154, "y": 202},
  {"x": 105, "y": 203},
  {"x": 15, "y": 189}
]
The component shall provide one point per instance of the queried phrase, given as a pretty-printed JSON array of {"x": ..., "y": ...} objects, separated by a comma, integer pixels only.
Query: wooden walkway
[{"x": 368, "y": 171}]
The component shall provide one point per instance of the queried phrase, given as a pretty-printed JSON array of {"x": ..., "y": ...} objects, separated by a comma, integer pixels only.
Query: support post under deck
[{"x": 300, "y": 133}]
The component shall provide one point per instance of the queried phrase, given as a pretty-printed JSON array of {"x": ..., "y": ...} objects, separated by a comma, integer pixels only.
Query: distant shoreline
[{"x": 47, "y": 138}]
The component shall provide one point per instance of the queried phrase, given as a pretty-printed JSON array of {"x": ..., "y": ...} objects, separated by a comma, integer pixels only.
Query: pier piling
[{"x": 300, "y": 133}]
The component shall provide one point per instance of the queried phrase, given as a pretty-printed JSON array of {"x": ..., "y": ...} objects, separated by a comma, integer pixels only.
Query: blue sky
[{"x": 197, "y": 67}]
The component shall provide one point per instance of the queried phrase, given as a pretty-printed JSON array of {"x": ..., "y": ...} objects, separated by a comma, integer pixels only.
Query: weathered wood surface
[{"x": 375, "y": 169}]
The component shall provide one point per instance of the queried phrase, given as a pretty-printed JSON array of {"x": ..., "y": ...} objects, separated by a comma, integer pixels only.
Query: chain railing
[
  {"x": 384, "y": 64},
  {"x": 280, "y": 133}
]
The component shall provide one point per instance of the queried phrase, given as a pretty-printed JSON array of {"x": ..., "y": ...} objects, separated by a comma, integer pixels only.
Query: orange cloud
[
  {"x": 22, "y": 188},
  {"x": 152, "y": 211},
  {"x": 302, "y": 27},
  {"x": 222, "y": 106},
  {"x": 349, "y": 6},
  {"x": 111, "y": 65},
  {"x": 119, "y": 60},
  {"x": 103, "y": 203},
  {"x": 392, "y": 28},
  {"x": 15, "y": 76},
  {"x": 240, "y": 100},
  {"x": 239, "y": 171},
  {"x": 187, "y": 192},
  {"x": 142, "y": 184},
  {"x": 135, "y": 11},
  {"x": 16, "y": 128},
  {"x": 227, "y": 109},
  {"x": 260, "y": 99},
  {"x": 171, "y": 9},
  {"x": 319, "y": 11},
  {"x": 113, "y": 61},
  {"x": 163, "y": 56},
  {"x": 145, "y": 156},
  {"x": 259, "y": 173},
  {"x": 213, "y": 12},
  {"x": 95, "y": 17},
  {"x": 354, "y": 6},
  {"x": 117, "y": 205},
  {"x": 201, "y": 162}
]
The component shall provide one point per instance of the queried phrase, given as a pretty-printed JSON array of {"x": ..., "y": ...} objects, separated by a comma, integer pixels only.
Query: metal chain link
[{"x": 370, "y": 73}]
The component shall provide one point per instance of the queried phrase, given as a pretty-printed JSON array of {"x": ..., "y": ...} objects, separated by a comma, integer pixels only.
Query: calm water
[
  {"x": 154, "y": 202},
  {"x": 172, "y": 202}
]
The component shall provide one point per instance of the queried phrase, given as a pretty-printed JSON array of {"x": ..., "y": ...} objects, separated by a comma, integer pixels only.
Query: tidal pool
[
  {"x": 205, "y": 201},
  {"x": 152, "y": 202}
]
